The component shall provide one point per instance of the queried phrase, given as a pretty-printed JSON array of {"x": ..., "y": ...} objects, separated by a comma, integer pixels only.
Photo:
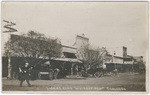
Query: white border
[
  {"x": 81, "y": 92},
  {"x": 82, "y": 0}
]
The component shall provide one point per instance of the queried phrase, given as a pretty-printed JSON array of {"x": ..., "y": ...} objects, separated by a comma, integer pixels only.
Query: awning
[
  {"x": 113, "y": 63},
  {"x": 67, "y": 60}
]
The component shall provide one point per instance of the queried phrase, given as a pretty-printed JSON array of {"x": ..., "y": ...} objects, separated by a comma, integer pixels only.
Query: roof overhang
[{"x": 67, "y": 60}]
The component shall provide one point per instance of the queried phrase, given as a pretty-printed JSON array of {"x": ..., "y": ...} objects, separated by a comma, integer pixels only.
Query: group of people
[{"x": 53, "y": 74}]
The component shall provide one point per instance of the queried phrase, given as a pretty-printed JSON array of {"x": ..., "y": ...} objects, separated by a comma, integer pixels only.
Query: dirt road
[{"x": 122, "y": 82}]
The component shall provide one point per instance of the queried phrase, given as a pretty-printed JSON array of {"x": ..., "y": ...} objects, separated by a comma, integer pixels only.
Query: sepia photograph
[{"x": 81, "y": 46}]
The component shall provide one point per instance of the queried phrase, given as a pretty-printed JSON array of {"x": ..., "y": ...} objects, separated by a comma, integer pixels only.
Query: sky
[{"x": 106, "y": 24}]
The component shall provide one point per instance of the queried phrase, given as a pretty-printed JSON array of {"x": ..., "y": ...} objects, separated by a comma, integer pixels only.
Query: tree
[
  {"x": 93, "y": 57},
  {"x": 34, "y": 45}
]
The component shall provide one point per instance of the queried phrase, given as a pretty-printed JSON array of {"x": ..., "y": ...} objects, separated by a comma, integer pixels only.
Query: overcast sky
[{"x": 108, "y": 24}]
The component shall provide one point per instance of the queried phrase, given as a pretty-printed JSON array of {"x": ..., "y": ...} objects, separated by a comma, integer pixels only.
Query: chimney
[{"x": 124, "y": 51}]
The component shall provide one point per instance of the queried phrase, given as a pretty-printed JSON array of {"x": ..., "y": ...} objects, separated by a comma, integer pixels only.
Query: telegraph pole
[{"x": 9, "y": 30}]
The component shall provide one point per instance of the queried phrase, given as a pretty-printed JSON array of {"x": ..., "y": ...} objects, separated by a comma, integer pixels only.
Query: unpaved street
[{"x": 122, "y": 82}]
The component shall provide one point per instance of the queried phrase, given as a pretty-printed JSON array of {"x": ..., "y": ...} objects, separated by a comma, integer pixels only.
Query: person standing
[
  {"x": 24, "y": 74},
  {"x": 56, "y": 71}
]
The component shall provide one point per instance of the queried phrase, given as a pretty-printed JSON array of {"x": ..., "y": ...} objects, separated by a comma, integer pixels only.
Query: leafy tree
[{"x": 34, "y": 45}]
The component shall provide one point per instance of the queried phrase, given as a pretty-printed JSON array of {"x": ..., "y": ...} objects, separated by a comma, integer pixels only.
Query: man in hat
[{"x": 24, "y": 74}]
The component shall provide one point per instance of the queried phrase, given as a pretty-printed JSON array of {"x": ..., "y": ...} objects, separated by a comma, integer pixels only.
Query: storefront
[{"x": 67, "y": 66}]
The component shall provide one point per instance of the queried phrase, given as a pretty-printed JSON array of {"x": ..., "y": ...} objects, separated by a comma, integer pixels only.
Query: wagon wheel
[{"x": 98, "y": 74}]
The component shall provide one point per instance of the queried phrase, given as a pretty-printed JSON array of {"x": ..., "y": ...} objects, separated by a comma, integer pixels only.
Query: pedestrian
[
  {"x": 77, "y": 70},
  {"x": 56, "y": 71},
  {"x": 24, "y": 74},
  {"x": 51, "y": 72},
  {"x": 116, "y": 71}
]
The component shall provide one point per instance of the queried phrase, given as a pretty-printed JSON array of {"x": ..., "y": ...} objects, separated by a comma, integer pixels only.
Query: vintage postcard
[{"x": 74, "y": 46}]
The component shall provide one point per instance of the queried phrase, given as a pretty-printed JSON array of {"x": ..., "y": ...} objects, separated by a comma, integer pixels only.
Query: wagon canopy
[{"x": 67, "y": 60}]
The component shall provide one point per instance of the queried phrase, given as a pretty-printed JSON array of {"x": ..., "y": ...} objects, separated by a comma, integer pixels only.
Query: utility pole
[{"x": 9, "y": 30}]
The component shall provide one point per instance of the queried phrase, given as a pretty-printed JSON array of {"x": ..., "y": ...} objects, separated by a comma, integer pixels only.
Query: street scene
[{"x": 59, "y": 51}]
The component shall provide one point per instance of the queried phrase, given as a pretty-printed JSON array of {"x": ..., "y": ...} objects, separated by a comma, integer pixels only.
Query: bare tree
[{"x": 93, "y": 57}]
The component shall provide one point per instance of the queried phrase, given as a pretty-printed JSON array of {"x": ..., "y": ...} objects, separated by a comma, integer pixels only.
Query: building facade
[
  {"x": 68, "y": 52},
  {"x": 81, "y": 43}
]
